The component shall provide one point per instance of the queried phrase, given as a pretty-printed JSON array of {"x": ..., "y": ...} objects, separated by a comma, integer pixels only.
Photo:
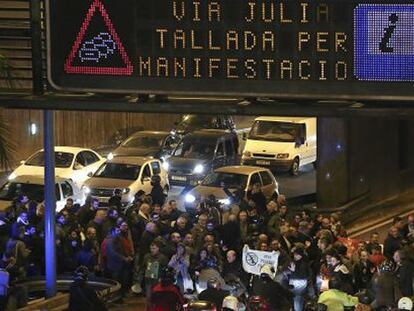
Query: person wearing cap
[
  {"x": 165, "y": 296},
  {"x": 334, "y": 298},
  {"x": 81, "y": 295},
  {"x": 405, "y": 303},
  {"x": 230, "y": 303}
]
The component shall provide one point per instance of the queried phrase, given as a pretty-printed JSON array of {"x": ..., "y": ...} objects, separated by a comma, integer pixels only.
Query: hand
[{"x": 292, "y": 267}]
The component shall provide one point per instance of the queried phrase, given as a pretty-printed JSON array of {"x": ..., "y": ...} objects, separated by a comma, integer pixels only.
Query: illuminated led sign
[{"x": 332, "y": 49}]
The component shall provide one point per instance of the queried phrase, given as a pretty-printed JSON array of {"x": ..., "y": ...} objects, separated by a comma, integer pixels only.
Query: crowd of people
[{"x": 317, "y": 262}]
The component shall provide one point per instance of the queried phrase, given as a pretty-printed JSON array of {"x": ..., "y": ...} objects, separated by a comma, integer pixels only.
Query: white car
[
  {"x": 33, "y": 188},
  {"x": 130, "y": 174},
  {"x": 74, "y": 163}
]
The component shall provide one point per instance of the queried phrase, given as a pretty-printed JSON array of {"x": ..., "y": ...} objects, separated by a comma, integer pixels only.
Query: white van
[{"x": 283, "y": 143}]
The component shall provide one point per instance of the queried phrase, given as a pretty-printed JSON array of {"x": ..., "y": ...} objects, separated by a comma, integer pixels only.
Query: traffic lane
[{"x": 290, "y": 186}]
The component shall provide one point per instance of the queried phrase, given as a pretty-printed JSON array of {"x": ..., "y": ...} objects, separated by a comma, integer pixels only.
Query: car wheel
[{"x": 294, "y": 170}]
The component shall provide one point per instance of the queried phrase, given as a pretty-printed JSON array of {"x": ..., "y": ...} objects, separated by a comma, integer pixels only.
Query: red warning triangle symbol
[{"x": 120, "y": 71}]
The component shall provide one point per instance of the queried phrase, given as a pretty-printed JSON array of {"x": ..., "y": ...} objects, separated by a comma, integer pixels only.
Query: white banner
[{"x": 253, "y": 260}]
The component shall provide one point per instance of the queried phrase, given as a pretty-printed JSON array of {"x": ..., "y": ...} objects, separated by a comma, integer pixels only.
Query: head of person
[
  {"x": 118, "y": 193},
  {"x": 94, "y": 204},
  {"x": 266, "y": 272},
  {"x": 175, "y": 237},
  {"x": 398, "y": 223},
  {"x": 124, "y": 227},
  {"x": 173, "y": 205},
  {"x": 323, "y": 244},
  {"x": 181, "y": 222},
  {"x": 231, "y": 256},
  {"x": 263, "y": 238},
  {"x": 202, "y": 254},
  {"x": 263, "y": 246},
  {"x": 283, "y": 210},
  {"x": 335, "y": 282},
  {"x": 91, "y": 233},
  {"x": 332, "y": 257},
  {"x": 230, "y": 303},
  {"x": 23, "y": 218},
  {"x": 115, "y": 232},
  {"x": 410, "y": 220},
  {"x": 69, "y": 203},
  {"x": 298, "y": 253},
  {"x": 23, "y": 199},
  {"x": 275, "y": 244},
  {"x": 326, "y": 223},
  {"x": 81, "y": 274},
  {"x": 364, "y": 256},
  {"x": 213, "y": 283},
  {"x": 151, "y": 227},
  {"x": 167, "y": 276},
  {"x": 243, "y": 216},
  {"x": 145, "y": 208},
  {"x": 394, "y": 232},
  {"x": 386, "y": 266},
  {"x": 154, "y": 249},
  {"x": 113, "y": 213},
  {"x": 180, "y": 249},
  {"x": 232, "y": 218},
  {"x": 202, "y": 220},
  {"x": 271, "y": 206},
  {"x": 156, "y": 209},
  {"x": 405, "y": 303},
  {"x": 188, "y": 239},
  {"x": 31, "y": 230},
  {"x": 60, "y": 218}
]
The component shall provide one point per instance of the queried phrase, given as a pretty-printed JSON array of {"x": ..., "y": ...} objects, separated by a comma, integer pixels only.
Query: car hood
[
  {"x": 40, "y": 171},
  {"x": 203, "y": 192},
  {"x": 4, "y": 204},
  {"x": 144, "y": 152},
  {"x": 185, "y": 163},
  {"x": 96, "y": 182},
  {"x": 274, "y": 147}
]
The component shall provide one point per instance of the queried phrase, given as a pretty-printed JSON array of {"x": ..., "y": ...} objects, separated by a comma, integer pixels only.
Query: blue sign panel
[{"x": 384, "y": 42}]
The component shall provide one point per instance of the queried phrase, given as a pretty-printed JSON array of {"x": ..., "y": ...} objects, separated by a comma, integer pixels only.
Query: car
[
  {"x": 281, "y": 143},
  {"x": 199, "y": 153},
  {"x": 117, "y": 138},
  {"x": 70, "y": 162},
  {"x": 156, "y": 144},
  {"x": 232, "y": 178},
  {"x": 130, "y": 174},
  {"x": 193, "y": 122},
  {"x": 33, "y": 188}
]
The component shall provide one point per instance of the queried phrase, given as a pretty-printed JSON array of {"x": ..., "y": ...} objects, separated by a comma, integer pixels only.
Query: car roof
[
  {"x": 35, "y": 179},
  {"x": 283, "y": 119},
  {"x": 210, "y": 133},
  {"x": 132, "y": 160},
  {"x": 240, "y": 169},
  {"x": 69, "y": 149},
  {"x": 155, "y": 133}
]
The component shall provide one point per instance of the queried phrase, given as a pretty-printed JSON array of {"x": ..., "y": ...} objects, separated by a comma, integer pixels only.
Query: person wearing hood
[
  {"x": 277, "y": 297},
  {"x": 81, "y": 295}
]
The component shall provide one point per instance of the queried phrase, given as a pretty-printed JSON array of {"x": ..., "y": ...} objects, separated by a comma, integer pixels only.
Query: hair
[{"x": 335, "y": 282}]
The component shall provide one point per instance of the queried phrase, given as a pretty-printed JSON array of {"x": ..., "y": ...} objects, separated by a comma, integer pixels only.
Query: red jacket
[{"x": 165, "y": 298}]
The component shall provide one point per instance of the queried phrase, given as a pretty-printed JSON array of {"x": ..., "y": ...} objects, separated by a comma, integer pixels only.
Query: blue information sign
[{"x": 384, "y": 42}]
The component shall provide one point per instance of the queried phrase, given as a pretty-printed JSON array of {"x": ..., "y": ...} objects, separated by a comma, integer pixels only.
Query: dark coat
[{"x": 83, "y": 297}]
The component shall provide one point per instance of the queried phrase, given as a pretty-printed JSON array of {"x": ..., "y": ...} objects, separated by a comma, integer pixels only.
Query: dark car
[
  {"x": 199, "y": 153},
  {"x": 115, "y": 140},
  {"x": 192, "y": 122},
  {"x": 148, "y": 144}
]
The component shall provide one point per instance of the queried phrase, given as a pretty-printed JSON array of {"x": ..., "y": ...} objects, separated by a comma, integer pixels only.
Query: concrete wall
[
  {"x": 76, "y": 128},
  {"x": 363, "y": 156}
]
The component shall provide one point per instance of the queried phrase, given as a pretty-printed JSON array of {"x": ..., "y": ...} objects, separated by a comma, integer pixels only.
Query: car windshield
[
  {"x": 275, "y": 131},
  {"x": 196, "y": 148},
  {"x": 118, "y": 171},
  {"x": 144, "y": 141},
  {"x": 11, "y": 190},
  {"x": 227, "y": 180},
  {"x": 195, "y": 120},
  {"x": 62, "y": 159}
]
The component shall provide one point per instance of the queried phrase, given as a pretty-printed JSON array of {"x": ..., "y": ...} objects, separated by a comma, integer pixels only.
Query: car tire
[{"x": 294, "y": 169}]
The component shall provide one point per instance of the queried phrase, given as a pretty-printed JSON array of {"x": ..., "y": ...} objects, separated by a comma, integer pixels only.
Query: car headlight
[
  {"x": 283, "y": 155},
  {"x": 198, "y": 169},
  {"x": 125, "y": 190},
  {"x": 86, "y": 189},
  {"x": 224, "y": 201},
  {"x": 189, "y": 198},
  {"x": 110, "y": 156},
  {"x": 247, "y": 154},
  {"x": 12, "y": 176},
  {"x": 166, "y": 165}
]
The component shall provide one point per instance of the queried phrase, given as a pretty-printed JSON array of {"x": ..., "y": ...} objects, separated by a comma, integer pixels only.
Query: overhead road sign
[{"x": 296, "y": 49}]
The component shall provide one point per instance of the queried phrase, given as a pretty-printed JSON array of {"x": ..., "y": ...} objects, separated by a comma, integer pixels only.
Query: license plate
[
  {"x": 179, "y": 178},
  {"x": 261, "y": 162},
  {"x": 102, "y": 199}
]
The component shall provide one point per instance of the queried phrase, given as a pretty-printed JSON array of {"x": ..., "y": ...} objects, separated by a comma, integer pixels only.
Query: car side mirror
[
  {"x": 22, "y": 162},
  {"x": 145, "y": 179},
  {"x": 90, "y": 174}
]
